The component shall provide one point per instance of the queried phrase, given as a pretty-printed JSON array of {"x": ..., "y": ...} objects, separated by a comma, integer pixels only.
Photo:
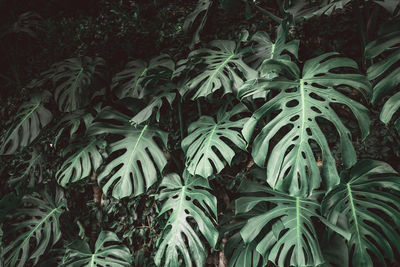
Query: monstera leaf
[
  {"x": 264, "y": 48},
  {"x": 201, "y": 9},
  {"x": 84, "y": 158},
  {"x": 237, "y": 252},
  {"x": 304, "y": 9},
  {"x": 188, "y": 204},
  {"x": 71, "y": 123},
  {"x": 29, "y": 23},
  {"x": 107, "y": 252},
  {"x": 290, "y": 234},
  {"x": 73, "y": 80},
  {"x": 389, "y": 5},
  {"x": 369, "y": 196},
  {"x": 224, "y": 69},
  {"x": 33, "y": 169},
  {"x": 155, "y": 104},
  {"x": 134, "y": 157},
  {"x": 300, "y": 101},
  {"x": 385, "y": 72},
  {"x": 206, "y": 137},
  {"x": 31, "y": 117},
  {"x": 138, "y": 74},
  {"x": 34, "y": 228}
]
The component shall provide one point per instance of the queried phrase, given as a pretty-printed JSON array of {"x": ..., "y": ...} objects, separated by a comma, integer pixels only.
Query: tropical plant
[
  {"x": 223, "y": 150},
  {"x": 300, "y": 101},
  {"x": 290, "y": 237},
  {"x": 385, "y": 73},
  {"x": 206, "y": 145},
  {"x": 186, "y": 198},
  {"x": 30, "y": 119},
  {"x": 35, "y": 228},
  {"x": 135, "y": 169},
  {"x": 368, "y": 196}
]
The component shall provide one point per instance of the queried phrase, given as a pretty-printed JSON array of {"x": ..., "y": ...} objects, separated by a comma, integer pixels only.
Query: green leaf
[
  {"x": 382, "y": 72},
  {"x": 34, "y": 228},
  {"x": 303, "y": 9},
  {"x": 202, "y": 8},
  {"x": 264, "y": 48},
  {"x": 73, "y": 80},
  {"x": 372, "y": 211},
  {"x": 138, "y": 75},
  {"x": 390, "y": 108},
  {"x": 155, "y": 104},
  {"x": 389, "y": 5},
  {"x": 31, "y": 118},
  {"x": 224, "y": 69},
  {"x": 33, "y": 169},
  {"x": 288, "y": 234},
  {"x": 84, "y": 158},
  {"x": 206, "y": 136},
  {"x": 107, "y": 252},
  {"x": 29, "y": 23},
  {"x": 186, "y": 200},
  {"x": 237, "y": 252},
  {"x": 291, "y": 164},
  {"x": 72, "y": 122},
  {"x": 385, "y": 73},
  {"x": 134, "y": 158}
]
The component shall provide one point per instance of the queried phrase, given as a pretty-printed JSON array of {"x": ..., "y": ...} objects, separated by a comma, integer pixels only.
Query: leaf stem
[
  {"x": 180, "y": 117},
  {"x": 267, "y": 13},
  {"x": 198, "y": 107}
]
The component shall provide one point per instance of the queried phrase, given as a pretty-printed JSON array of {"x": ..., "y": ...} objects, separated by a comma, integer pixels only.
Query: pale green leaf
[
  {"x": 186, "y": 200},
  {"x": 206, "y": 136},
  {"x": 299, "y": 102}
]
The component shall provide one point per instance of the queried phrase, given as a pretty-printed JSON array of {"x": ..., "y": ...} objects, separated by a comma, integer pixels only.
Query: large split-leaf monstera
[
  {"x": 187, "y": 199},
  {"x": 32, "y": 116},
  {"x": 135, "y": 157},
  {"x": 291, "y": 235},
  {"x": 206, "y": 135},
  {"x": 74, "y": 80},
  {"x": 224, "y": 69},
  {"x": 83, "y": 158},
  {"x": 300, "y": 100},
  {"x": 35, "y": 227},
  {"x": 372, "y": 210},
  {"x": 138, "y": 74}
]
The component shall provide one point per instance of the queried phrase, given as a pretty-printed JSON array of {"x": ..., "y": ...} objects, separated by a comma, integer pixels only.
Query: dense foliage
[{"x": 194, "y": 133}]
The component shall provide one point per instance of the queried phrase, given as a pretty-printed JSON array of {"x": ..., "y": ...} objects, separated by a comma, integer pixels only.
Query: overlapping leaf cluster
[{"x": 256, "y": 106}]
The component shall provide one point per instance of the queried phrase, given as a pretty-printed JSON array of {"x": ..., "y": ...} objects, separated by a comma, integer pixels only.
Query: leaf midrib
[
  {"x": 208, "y": 144},
  {"x": 219, "y": 68},
  {"x": 298, "y": 230},
  {"x": 353, "y": 210},
  {"x": 24, "y": 119},
  {"x": 178, "y": 212},
  {"x": 37, "y": 227},
  {"x": 128, "y": 168}
]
